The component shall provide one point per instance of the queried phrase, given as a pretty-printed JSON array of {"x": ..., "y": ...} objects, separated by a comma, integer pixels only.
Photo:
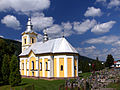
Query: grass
[
  {"x": 39, "y": 84},
  {"x": 114, "y": 85},
  {"x": 85, "y": 75}
]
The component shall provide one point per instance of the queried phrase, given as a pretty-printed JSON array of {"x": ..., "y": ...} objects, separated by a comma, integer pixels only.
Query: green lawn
[{"x": 39, "y": 84}]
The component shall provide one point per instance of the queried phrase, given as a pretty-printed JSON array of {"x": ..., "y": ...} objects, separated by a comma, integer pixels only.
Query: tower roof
[
  {"x": 29, "y": 27},
  {"x": 59, "y": 45}
]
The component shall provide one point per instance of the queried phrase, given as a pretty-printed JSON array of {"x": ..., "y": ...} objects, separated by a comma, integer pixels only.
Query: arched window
[
  {"x": 61, "y": 67},
  {"x": 40, "y": 66},
  {"x": 25, "y": 41},
  {"x": 32, "y": 40},
  {"x": 32, "y": 65},
  {"x": 46, "y": 66}
]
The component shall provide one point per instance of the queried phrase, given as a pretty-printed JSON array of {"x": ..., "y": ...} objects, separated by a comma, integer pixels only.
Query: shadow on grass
[{"x": 22, "y": 84}]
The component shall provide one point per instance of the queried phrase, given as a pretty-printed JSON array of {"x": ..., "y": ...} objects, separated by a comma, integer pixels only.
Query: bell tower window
[
  {"x": 25, "y": 41},
  {"x": 32, "y": 40}
]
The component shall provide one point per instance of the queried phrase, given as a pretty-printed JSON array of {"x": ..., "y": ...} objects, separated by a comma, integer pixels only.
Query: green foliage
[
  {"x": 109, "y": 61},
  {"x": 83, "y": 66},
  {"x": 98, "y": 64},
  {"x": 5, "y": 69},
  {"x": 15, "y": 77},
  {"x": 8, "y": 47}
]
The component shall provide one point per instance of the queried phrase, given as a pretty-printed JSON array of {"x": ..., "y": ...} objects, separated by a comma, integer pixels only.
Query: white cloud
[
  {"x": 39, "y": 37},
  {"x": 91, "y": 11},
  {"x": 67, "y": 27},
  {"x": 24, "y": 5},
  {"x": 114, "y": 3},
  {"x": 19, "y": 40},
  {"x": 54, "y": 31},
  {"x": 84, "y": 26},
  {"x": 103, "y": 28},
  {"x": 40, "y": 22},
  {"x": 11, "y": 21},
  {"x": 104, "y": 39},
  {"x": 90, "y": 48},
  {"x": 1, "y": 36},
  {"x": 100, "y": 0}
]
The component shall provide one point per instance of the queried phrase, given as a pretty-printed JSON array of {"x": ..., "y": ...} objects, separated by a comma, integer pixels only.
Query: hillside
[{"x": 11, "y": 47}]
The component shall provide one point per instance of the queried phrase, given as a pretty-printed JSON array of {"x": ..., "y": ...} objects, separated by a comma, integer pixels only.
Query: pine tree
[
  {"x": 109, "y": 61},
  {"x": 5, "y": 69},
  {"x": 15, "y": 77}
]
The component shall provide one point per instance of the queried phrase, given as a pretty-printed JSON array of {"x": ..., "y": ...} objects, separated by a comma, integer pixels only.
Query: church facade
[{"x": 55, "y": 58}]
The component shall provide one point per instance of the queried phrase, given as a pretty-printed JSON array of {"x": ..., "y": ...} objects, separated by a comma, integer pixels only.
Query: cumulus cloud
[
  {"x": 1, "y": 36},
  {"x": 19, "y": 40},
  {"x": 100, "y": 0},
  {"x": 114, "y": 3},
  {"x": 67, "y": 27},
  {"x": 39, "y": 37},
  {"x": 24, "y": 5},
  {"x": 102, "y": 53},
  {"x": 91, "y": 11},
  {"x": 103, "y": 28},
  {"x": 40, "y": 22},
  {"x": 104, "y": 39},
  {"x": 84, "y": 26},
  {"x": 54, "y": 31},
  {"x": 11, "y": 21}
]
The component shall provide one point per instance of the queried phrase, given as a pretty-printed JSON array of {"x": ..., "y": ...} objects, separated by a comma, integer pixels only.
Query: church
[{"x": 54, "y": 58}]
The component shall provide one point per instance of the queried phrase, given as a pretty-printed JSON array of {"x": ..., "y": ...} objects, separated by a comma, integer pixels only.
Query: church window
[
  {"x": 40, "y": 66},
  {"x": 22, "y": 65},
  {"x": 32, "y": 40},
  {"x": 75, "y": 67},
  {"x": 46, "y": 66},
  {"x": 61, "y": 67},
  {"x": 32, "y": 65},
  {"x": 25, "y": 41}
]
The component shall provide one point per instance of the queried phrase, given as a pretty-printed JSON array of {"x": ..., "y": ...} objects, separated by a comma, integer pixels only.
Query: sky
[{"x": 91, "y": 26}]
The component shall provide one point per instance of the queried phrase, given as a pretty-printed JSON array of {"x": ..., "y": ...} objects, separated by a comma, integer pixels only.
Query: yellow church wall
[
  {"x": 22, "y": 67},
  {"x": 55, "y": 67},
  {"x": 40, "y": 71},
  {"x": 61, "y": 62},
  {"x": 69, "y": 67},
  {"x": 26, "y": 66},
  {"x": 75, "y": 62},
  {"x": 30, "y": 66},
  {"x": 45, "y": 60}
]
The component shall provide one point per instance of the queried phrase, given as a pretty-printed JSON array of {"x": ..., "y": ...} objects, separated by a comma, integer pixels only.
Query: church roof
[{"x": 59, "y": 45}]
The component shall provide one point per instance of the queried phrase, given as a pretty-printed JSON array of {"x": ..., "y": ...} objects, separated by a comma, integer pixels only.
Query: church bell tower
[{"x": 29, "y": 36}]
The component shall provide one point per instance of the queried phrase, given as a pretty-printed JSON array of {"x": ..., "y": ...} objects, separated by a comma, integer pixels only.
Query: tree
[
  {"x": 98, "y": 64},
  {"x": 109, "y": 61},
  {"x": 15, "y": 77},
  {"x": 5, "y": 69}
]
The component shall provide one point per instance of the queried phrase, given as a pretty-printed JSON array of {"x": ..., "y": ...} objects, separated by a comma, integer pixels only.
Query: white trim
[
  {"x": 57, "y": 66},
  {"x": 37, "y": 63},
  {"x": 28, "y": 67},
  {"x": 25, "y": 66},
  {"x": 65, "y": 66},
  {"x": 43, "y": 70}
]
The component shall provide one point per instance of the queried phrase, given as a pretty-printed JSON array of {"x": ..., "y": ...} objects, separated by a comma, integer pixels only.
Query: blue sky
[{"x": 91, "y": 26}]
